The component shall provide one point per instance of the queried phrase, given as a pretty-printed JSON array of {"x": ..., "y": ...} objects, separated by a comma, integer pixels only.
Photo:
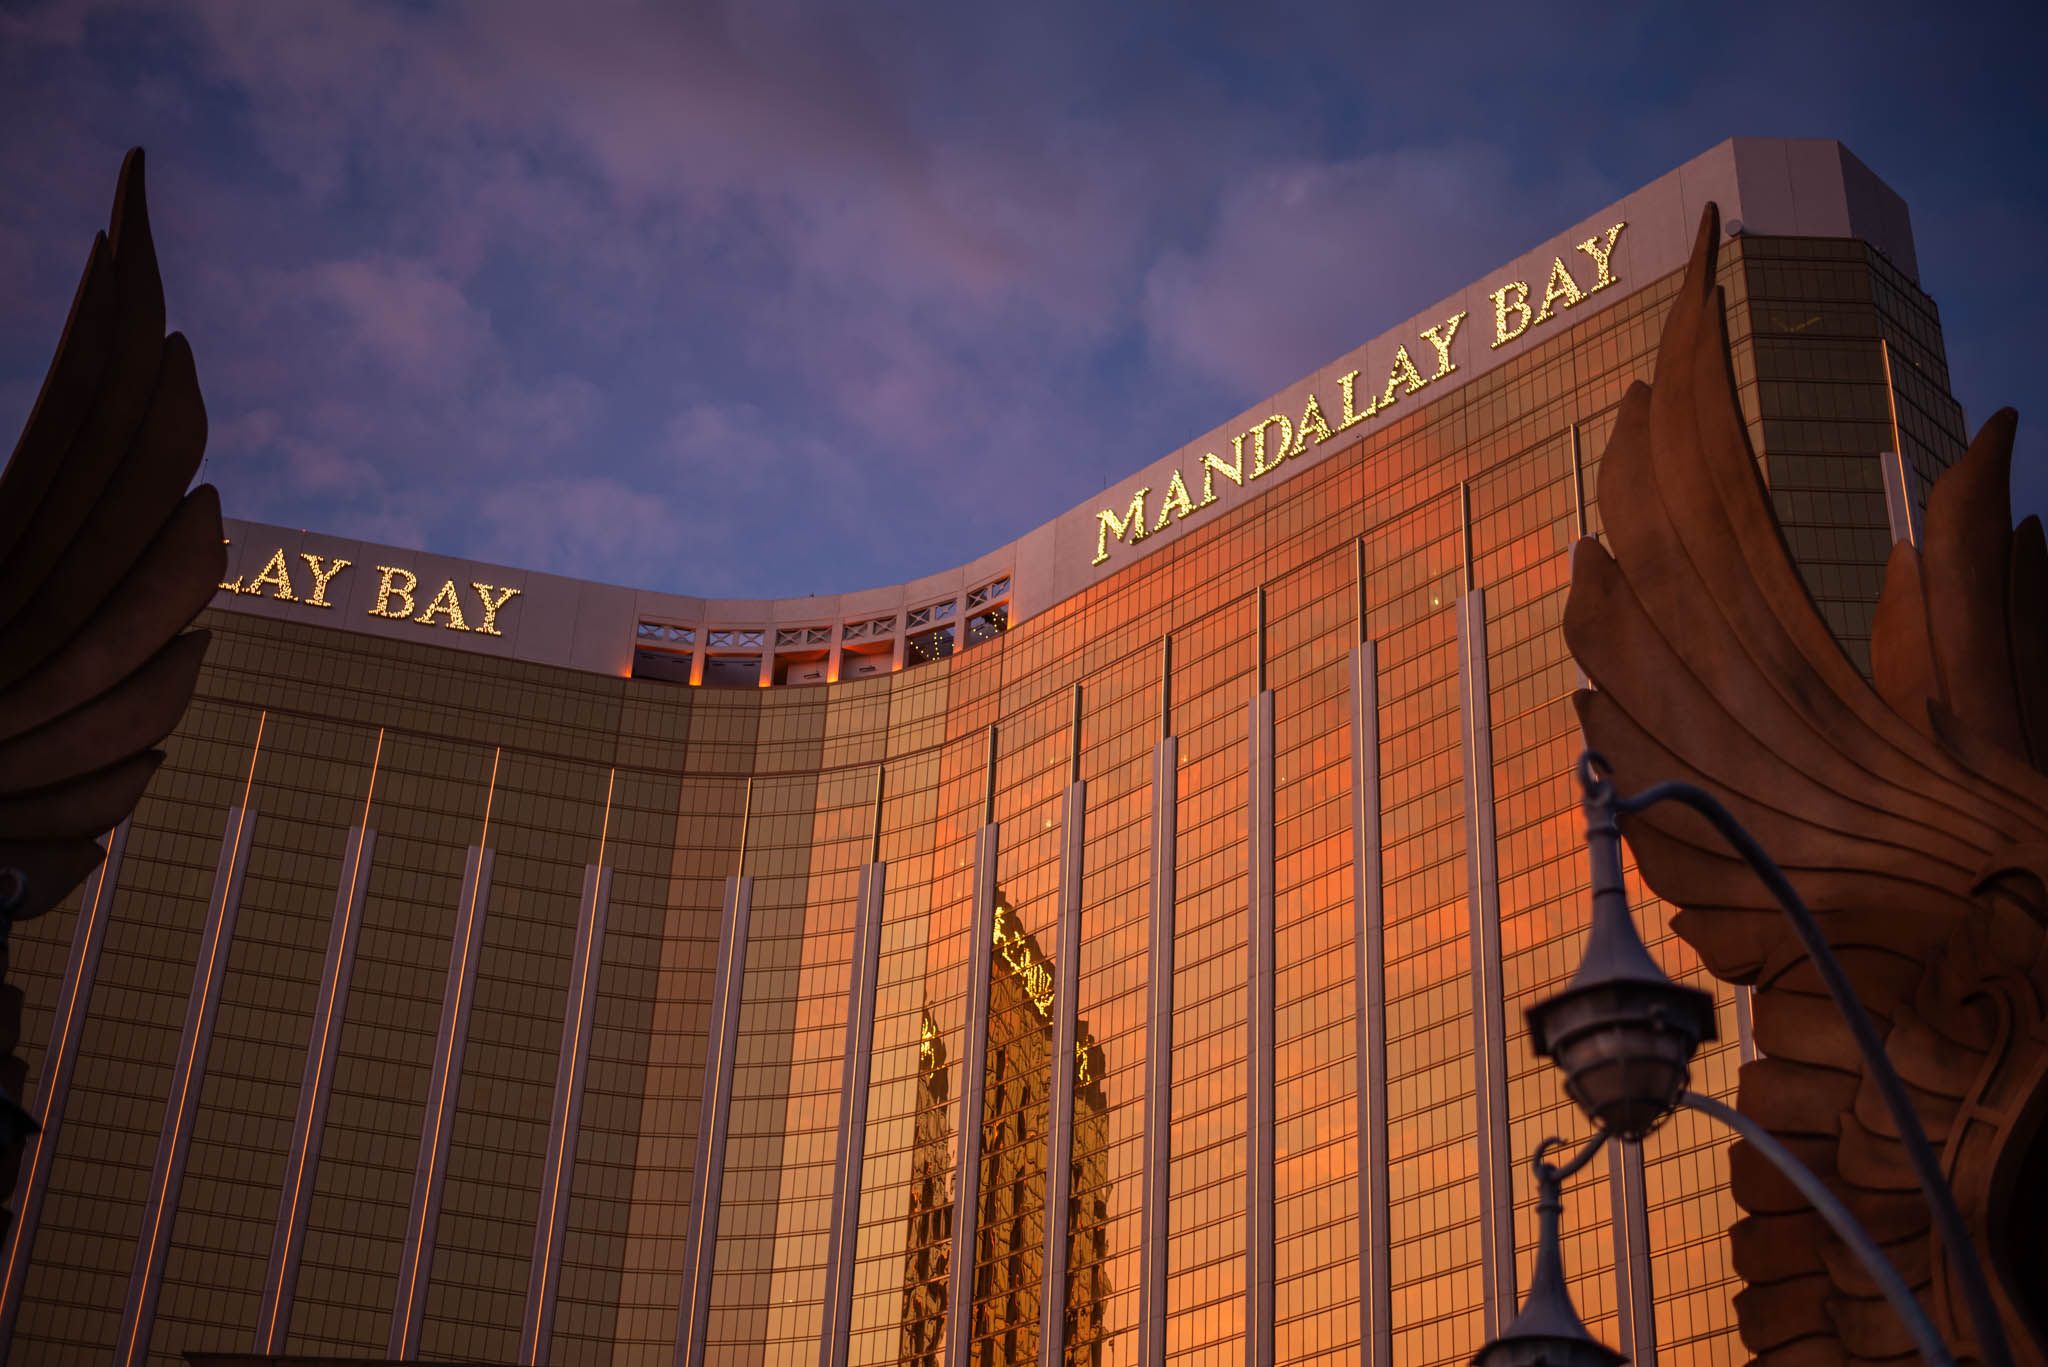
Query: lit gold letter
[
  {"x": 1257, "y": 432},
  {"x": 230, "y": 585},
  {"x": 1108, "y": 524},
  {"x": 389, "y": 588},
  {"x": 1038, "y": 984},
  {"x": 1601, "y": 252},
  {"x": 448, "y": 604},
  {"x": 1404, "y": 372},
  {"x": 1561, "y": 286},
  {"x": 489, "y": 625},
  {"x": 276, "y": 576},
  {"x": 321, "y": 576},
  {"x": 1440, "y": 338},
  {"x": 1175, "y": 502},
  {"x": 1351, "y": 417},
  {"x": 1211, "y": 465},
  {"x": 1313, "y": 414},
  {"x": 1501, "y": 309}
]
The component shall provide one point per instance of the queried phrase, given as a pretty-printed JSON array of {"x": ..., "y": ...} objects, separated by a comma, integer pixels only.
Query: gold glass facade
[{"x": 552, "y": 771}]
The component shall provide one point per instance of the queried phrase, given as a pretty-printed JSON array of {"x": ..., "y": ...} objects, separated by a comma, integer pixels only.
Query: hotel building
[{"x": 1110, "y": 951}]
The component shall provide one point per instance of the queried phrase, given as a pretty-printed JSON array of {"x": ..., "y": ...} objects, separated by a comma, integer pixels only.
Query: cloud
[
  {"x": 721, "y": 209},
  {"x": 389, "y": 401},
  {"x": 811, "y": 297},
  {"x": 587, "y": 526},
  {"x": 1303, "y": 261},
  {"x": 404, "y": 320}
]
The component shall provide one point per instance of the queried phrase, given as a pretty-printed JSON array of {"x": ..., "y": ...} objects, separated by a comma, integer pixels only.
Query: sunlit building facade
[{"x": 1111, "y": 951}]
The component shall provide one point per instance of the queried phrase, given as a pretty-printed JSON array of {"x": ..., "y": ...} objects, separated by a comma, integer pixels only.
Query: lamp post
[
  {"x": 1547, "y": 1332},
  {"x": 1625, "y": 1036}
]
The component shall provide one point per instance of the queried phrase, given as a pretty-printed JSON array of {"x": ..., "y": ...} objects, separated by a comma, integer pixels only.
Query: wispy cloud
[{"x": 1302, "y": 260}]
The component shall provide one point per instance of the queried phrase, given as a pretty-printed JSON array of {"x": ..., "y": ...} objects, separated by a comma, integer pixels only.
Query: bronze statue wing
[
  {"x": 104, "y": 560},
  {"x": 1887, "y": 808},
  {"x": 1975, "y": 672},
  {"x": 1712, "y": 664}
]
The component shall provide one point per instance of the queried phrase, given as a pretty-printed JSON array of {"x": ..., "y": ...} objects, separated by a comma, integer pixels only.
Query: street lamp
[
  {"x": 1547, "y": 1332},
  {"x": 1623, "y": 1032},
  {"x": 1625, "y": 1035}
]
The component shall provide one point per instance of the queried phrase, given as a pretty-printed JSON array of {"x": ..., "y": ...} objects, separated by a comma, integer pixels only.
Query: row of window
[{"x": 740, "y": 657}]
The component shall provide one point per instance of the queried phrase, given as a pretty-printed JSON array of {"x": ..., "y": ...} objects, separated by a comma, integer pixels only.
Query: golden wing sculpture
[
  {"x": 105, "y": 559},
  {"x": 1912, "y": 815}
]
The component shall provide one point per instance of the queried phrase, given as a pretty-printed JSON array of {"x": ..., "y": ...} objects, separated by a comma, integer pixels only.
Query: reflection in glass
[{"x": 1009, "y": 1253}]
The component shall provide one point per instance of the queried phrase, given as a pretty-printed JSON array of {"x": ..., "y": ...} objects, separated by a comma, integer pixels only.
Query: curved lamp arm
[
  {"x": 1955, "y": 1235},
  {"x": 1830, "y": 1206},
  {"x": 1550, "y": 1173}
]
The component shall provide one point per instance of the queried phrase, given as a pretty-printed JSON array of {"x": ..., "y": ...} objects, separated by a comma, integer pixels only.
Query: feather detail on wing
[
  {"x": 105, "y": 559},
  {"x": 1886, "y": 805}
]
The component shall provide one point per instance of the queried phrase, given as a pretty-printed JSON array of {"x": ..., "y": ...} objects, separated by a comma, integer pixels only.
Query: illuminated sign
[
  {"x": 928, "y": 1045},
  {"x": 1034, "y": 975},
  {"x": 1031, "y": 972},
  {"x": 399, "y": 596},
  {"x": 1278, "y": 438}
]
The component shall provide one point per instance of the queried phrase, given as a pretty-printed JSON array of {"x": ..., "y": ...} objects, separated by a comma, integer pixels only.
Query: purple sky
[{"x": 785, "y": 300}]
